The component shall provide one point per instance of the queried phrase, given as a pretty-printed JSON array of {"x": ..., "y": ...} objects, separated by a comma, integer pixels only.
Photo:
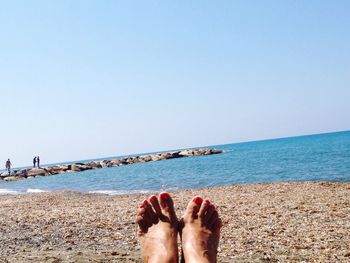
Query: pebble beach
[{"x": 277, "y": 222}]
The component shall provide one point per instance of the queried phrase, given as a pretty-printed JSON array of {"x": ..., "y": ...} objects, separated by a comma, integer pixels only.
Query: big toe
[{"x": 192, "y": 209}]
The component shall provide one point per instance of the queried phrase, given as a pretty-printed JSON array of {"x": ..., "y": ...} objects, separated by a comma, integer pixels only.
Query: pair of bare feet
[{"x": 158, "y": 228}]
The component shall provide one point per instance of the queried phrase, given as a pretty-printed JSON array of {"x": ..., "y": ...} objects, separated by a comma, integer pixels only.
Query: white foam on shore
[
  {"x": 9, "y": 192},
  {"x": 31, "y": 191},
  {"x": 169, "y": 189},
  {"x": 119, "y": 192}
]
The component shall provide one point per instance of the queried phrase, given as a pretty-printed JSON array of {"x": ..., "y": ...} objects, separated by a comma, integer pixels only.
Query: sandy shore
[{"x": 284, "y": 222}]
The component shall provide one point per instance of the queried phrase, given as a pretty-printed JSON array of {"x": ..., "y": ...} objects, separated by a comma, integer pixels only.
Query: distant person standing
[
  {"x": 34, "y": 161},
  {"x": 8, "y": 166},
  {"x": 38, "y": 161}
]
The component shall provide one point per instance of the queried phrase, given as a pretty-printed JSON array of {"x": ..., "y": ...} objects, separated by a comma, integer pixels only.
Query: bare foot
[
  {"x": 200, "y": 232},
  {"x": 157, "y": 229}
]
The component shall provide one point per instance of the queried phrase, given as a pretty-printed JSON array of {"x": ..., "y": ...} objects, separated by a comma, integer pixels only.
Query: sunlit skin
[
  {"x": 158, "y": 228},
  {"x": 200, "y": 232}
]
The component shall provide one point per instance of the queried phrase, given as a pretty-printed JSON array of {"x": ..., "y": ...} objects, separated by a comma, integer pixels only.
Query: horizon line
[{"x": 205, "y": 146}]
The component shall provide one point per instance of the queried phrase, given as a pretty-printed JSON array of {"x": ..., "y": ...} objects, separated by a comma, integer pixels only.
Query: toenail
[
  {"x": 152, "y": 198},
  {"x": 206, "y": 201},
  {"x": 198, "y": 200},
  {"x": 164, "y": 196}
]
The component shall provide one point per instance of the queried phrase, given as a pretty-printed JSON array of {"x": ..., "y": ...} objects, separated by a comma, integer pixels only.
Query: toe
[
  {"x": 216, "y": 225},
  {"x": 167, "y": 205},
  {"x": 203, "y": 209},
  {"x": 192, "y": 209},
  {"x": 150, "y": 214},
  {"x": 165, "y": 200},
  {"x": 210, "y": 210},
  {"x": 141, "y": 219},
  {"x": 154, "y": 201},
  {"x": 147, "y": 218},
  {"x": 212, "y": 220},
  {"x": 141, "y": 209}
]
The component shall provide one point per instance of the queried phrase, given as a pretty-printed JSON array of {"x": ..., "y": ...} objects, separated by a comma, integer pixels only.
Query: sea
[{"x": 320, "y": 157}]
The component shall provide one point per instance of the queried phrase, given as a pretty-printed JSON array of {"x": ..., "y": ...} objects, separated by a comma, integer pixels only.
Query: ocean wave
[
  {"x": 120, "y": 192},
  {"x": 31, "y": 191},
  {"x": 9, "y": 192},
  {"x": 126, "y": 192},
  {"x": 169, "y": 189}
]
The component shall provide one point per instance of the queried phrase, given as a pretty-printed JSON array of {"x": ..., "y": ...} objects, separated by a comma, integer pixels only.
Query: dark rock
[
  {"x": 94, "y": 165},
  {"x": 115, "y": 162},
  {"x": 77, "y": 167},
  {"x": 176, "y": 155},
  {"x": 132, "y": 160},
  {"x": 146, "y": 158},
  {"x": 22, "y": 173},
  {"x": 123, "y": 161},
  {"x": 36, "y": 172},
  {"x": 166, "y": 156},
  {"x": 156, "y": 157},
  {"x": 215, "y": 151},
  {"x": 57, "y": 169},
  {"x": 106, "y": 163}
]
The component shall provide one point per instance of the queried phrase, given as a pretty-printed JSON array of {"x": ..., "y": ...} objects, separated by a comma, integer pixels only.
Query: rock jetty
[{"x": 79, "y": 167}]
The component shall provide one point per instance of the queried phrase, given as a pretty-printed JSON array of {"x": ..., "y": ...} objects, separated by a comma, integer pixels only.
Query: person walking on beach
[
  {"x": 8, "y": 166},
  {"x": 34, "y": 161},
  {"x": 38, "y": 161}
]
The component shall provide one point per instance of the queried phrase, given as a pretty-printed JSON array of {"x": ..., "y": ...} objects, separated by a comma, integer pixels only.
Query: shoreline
[
  {"x": 286, "y": 222},
  {"x": 145, "y": 192}
]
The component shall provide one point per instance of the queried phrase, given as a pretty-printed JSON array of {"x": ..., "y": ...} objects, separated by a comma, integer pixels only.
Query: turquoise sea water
[{"x": 322, "y": 157}]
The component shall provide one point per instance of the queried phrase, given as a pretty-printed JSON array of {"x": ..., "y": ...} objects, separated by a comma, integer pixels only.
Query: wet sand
[{"x": 281, "y": 222}]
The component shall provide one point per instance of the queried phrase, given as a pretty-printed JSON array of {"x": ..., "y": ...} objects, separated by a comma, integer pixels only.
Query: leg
[
  {"x": 158, "y": 229},
  {"x": 200, "y": 232}
]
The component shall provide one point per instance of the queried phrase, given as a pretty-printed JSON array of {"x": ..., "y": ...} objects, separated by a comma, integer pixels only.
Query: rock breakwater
[{"x": 79, "y": 167}]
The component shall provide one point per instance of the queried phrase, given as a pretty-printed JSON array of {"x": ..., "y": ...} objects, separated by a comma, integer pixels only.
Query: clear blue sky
[{"x": 87, "y": 79}]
